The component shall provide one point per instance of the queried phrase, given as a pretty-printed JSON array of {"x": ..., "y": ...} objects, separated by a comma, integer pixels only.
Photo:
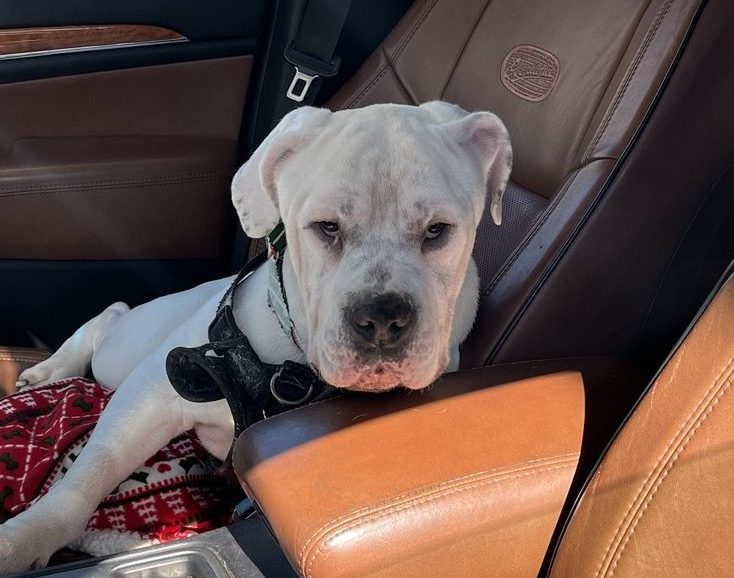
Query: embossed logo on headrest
[{"x": 530, "y": 72}]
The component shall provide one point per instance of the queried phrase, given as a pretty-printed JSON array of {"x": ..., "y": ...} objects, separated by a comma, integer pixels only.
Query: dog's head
[{"x": 380, "y": 207}]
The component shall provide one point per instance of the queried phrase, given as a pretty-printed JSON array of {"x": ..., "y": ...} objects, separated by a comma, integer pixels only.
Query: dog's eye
[
  {"x": 329, "y": 228},
  {"x": 435, "y": 230}
]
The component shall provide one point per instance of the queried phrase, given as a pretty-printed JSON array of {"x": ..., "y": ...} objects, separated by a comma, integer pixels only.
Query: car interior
[{"x": 588, "y": 431}]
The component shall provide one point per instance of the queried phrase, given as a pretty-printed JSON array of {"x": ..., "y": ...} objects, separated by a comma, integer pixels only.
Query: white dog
[{"x": 380, "y": 207}]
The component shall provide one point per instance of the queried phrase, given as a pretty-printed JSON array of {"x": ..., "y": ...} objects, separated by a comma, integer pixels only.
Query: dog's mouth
[
  {"x": 414, "y": 366},
  {"x": 377, "y": 375},
  {"x": 377, "y": 378},
  {"x": 371, "y": 388}
]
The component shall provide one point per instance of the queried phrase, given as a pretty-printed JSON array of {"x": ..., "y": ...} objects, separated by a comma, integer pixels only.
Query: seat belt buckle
[
  {"x": 308, "y": 69},
  {"x": 296, "y": 92}
]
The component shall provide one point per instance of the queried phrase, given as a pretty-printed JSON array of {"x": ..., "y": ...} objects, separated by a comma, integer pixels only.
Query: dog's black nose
[{"x": 384, "y": 321}]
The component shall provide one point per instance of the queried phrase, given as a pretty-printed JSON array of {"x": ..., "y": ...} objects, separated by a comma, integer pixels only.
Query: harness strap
[{"x": 228, "y": 367}]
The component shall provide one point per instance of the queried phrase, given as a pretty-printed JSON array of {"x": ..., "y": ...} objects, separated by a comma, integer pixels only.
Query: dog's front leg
[
  {"x": 143, "y": 415},
  {"x": 74, "y": 357}
]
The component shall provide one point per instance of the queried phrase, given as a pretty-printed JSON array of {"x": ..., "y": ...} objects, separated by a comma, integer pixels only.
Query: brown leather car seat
[
  {"x": 661, "y": 501},
  {"x": 572, "y": 79}
]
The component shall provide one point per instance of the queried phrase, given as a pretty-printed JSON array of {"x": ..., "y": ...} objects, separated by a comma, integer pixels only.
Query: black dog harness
[{"x": 227, "y": 367}]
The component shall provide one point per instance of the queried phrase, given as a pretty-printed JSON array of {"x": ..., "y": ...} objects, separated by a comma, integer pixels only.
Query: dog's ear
[
  {"x": 487, "y": 139},
  {"x": 254, "y": 193},
  {"x": 487, "y": 135}
]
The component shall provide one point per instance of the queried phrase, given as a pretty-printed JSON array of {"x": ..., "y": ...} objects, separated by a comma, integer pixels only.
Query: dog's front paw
[
  {"x": 32, "y": 376},
  {"x": 19, "y": 552},
  {"x": 47, "y": 371}
]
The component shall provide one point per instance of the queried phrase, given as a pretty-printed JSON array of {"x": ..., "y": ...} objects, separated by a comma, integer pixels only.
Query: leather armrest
[{"x": 463, "y": 480}]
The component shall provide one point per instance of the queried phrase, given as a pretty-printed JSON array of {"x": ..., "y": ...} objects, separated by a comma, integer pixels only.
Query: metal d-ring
[{"x": 280, "y": 398}]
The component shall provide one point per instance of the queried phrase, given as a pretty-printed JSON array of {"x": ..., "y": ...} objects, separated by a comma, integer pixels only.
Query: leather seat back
[
  {"x": 661, "y": 502},
  {"x": 572, "y": 79}
]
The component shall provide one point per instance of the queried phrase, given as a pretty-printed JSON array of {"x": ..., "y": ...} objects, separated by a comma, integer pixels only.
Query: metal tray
[{"x": 211, "y": 555}]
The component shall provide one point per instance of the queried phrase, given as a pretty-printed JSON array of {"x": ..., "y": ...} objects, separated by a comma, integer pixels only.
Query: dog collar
[{"x": 277, "y": 300}]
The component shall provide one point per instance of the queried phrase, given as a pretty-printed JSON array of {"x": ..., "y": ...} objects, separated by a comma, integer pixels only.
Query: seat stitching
[
  {"x": 610, "y": 79},
  {"x": 725, "y": 388},
  {"x": 424, "y": 491},
  {"x": 689, "y": 437},
  {"x": 660, "y": 461},
  {"x": 435, "y": 487},
  {"x": 372, "y": 81},
  {"x": 464, "y": 47},
  {"x": 425, "y": 499},
  {"x": 102, "y": 187},
  {"x": 4, "y": 191},
  {"x": 356, "y": 99},
  {"x": 24, "y": 359},
  {"x": 414, "y": 29},
  {"x": 628, "y": 78},
  {"x": 402, "y": 83},
  {"x": 682, "y": 427}
]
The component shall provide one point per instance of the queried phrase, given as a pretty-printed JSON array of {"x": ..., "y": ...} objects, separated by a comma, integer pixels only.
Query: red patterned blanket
[{"x": 175, "y": 494}]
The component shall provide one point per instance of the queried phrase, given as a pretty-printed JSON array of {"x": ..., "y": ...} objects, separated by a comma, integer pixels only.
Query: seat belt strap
[{"x": 312, "y": 50}]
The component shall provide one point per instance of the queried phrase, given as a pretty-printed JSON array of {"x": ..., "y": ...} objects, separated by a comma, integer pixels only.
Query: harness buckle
[{"x": 296, "y": 376}]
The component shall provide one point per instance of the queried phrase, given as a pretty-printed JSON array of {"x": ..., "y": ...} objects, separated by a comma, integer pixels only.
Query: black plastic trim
[
  {"x": 51, "y": 299},
  {"x": 210, "y": 20}
]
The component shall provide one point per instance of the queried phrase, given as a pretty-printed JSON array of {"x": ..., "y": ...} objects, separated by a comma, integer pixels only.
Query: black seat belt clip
[{"x": 308, "y": 69}]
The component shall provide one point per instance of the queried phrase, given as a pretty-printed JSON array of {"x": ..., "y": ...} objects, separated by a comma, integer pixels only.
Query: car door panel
[
  {"x": 119, "y": 135},
  {"x": 107, "y": 173}
]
